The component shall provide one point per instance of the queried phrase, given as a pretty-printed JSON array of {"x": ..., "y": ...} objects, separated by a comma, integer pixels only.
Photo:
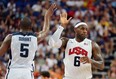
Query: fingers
[
  {"x": 52, "y": 7},
  {"x": 60, "y": 16},
  {"x": 69, "y": 19},
  {"x": 63, "y": 19},
  {"x": 50, "y": 11},
  {"x": 84, "y": 60},
  {"x": 64, "y": 14}
]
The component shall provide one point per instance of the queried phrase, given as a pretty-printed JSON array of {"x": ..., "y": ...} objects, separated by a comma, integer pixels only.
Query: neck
[
  {"x": 79, "y": 39},
  {"x": 25, "y": 30}
]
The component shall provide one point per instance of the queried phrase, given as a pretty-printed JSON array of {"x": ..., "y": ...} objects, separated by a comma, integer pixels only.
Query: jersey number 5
[
  {"x": 76, "y": 61},
  {"x": 24, "y": 50}
]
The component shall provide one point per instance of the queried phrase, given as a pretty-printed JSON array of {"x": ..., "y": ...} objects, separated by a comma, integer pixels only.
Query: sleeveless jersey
[
  {"x": 74, "y": 69},
  {"x": 23, "y": 48}
]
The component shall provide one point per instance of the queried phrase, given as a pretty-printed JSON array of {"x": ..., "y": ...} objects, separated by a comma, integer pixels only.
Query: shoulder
[
  {"x": 9, "y": 36},
  {"x": 88, "y": 40},
  {"x": 95, "y": 45},
  {"x": 64, "y": 41},
  {"x": 8, "y": 39}
]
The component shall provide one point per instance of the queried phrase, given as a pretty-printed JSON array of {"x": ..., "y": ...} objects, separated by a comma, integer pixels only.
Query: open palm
[
  {"x": 63, "y": 19},
  {"x": 50, "y": 11}
]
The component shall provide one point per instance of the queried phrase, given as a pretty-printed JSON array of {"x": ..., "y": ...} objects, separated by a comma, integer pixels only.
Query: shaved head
[{"x": 25, "y": 23}]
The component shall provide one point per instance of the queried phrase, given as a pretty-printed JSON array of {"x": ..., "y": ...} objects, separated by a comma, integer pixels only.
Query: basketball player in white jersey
[
  {"x": 78, "y": 51},
  {"x": 23, "y": 46}
]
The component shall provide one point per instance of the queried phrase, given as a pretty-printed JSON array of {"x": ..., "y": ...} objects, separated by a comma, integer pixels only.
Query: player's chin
[{"x": 84, "y": 36}]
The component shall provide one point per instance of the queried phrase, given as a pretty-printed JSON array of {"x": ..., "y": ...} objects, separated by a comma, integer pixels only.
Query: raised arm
[
  {"x": 42, "y": 34},
  {"x": 5, "y": 45},
  {"x": 55, "y": 40}
]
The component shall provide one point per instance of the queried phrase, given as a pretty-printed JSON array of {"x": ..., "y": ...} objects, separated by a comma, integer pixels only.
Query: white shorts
[{"x": 19, "y": 73}]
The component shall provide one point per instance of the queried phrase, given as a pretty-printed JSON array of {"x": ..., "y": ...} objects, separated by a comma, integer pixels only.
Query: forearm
[
  {"x": 55, "y": 40},
  {"x": 42, "y": 34},
  {"x": 46, "y": 24},
  {"x": 3, "y": 49},
  {"x": 97, "y": 64}
]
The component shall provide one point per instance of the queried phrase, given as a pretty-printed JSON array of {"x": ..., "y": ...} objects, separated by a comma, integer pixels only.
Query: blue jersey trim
[
  {"x": 24, "y": 34},
  {"x": 7, "y": 74}
]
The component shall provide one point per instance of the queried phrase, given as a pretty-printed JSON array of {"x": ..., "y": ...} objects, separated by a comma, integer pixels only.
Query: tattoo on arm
[
  {"x": 97, "y": 61},
  {"x": 64, "y": 42}
]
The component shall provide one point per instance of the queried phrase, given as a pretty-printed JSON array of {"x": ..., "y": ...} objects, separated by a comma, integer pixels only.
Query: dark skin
[
  {"x": 40, "y": 36},
  {"x": 80, "y": 34}
]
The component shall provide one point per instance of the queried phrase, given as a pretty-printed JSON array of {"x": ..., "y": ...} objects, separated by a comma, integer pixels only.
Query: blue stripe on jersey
[
  {"x": 9, "y": 64},
  {"x": 7, "y": 74},
  {"x": 10, "y": 54},
  {"x": 24, "y": 34},
  {"x": 10, "y": 58}
]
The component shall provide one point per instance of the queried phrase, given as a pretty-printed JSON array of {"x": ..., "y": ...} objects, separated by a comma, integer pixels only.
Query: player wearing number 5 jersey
[
  {"x": 23, "y": 46},
  {"x": 78, "y": 51}
]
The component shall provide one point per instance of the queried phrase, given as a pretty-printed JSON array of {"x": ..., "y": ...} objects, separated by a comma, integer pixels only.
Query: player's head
[
  {"x": 25, "y": 23},
  {"x": 45, "y": 75},
  {"x": 81, "y": 29}
]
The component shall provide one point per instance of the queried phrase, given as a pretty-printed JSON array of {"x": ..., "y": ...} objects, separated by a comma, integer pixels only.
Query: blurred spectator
[
  {"x": 51, "y": 60},
  {"x": 11, "y": 6},
  {"x": 37, "y": 7},
  {"x": 112, "y": 71},
  {"x": 44, "y": 75}
]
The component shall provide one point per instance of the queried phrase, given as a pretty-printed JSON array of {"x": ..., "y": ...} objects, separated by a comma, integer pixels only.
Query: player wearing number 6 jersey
[
  {"x": 78, "y": 51},
  {"x": 23, "y": 46}
]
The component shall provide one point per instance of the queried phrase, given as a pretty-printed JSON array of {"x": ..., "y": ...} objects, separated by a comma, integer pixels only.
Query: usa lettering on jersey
[{"x": 78, "y": 51}]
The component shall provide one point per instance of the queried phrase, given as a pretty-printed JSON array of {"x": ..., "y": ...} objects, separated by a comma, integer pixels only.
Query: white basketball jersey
[
  {"x": 23, "y": 48},
  {"x": 74, "y": 69}
]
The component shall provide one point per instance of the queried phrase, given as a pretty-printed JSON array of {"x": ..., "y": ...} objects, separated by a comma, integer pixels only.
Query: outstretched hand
[
  {"x": 63, "y": 19},
  {"x": 50, "y": 11}
]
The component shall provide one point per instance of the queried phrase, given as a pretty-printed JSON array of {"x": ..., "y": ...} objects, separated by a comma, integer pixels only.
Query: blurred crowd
[{"x": 100, "y": 15}]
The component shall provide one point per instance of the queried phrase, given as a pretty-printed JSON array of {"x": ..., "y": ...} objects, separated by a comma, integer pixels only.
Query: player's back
[
  {"x": 74, "y": 69},
  {"x": 23, "y": 48}
]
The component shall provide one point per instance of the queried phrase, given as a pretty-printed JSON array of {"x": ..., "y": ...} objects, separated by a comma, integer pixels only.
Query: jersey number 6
[
  {"x": 76, "y": 61},
  {"x": 24, "y": 50}
]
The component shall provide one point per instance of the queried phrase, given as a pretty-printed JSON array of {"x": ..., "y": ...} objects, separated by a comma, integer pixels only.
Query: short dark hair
[
  {"x": 45, "y": 74},
  {"x": 25, "y": 23}
]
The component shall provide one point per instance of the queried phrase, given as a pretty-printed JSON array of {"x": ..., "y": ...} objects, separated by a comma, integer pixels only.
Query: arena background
[{"x": 100, "y": 15}]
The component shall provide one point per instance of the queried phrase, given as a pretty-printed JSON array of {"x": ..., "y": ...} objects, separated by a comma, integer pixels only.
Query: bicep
[
  {"x": 64, "y": 42},
  {"x": 5, "y": 45},
  {"x": 96, "y": 51}
]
